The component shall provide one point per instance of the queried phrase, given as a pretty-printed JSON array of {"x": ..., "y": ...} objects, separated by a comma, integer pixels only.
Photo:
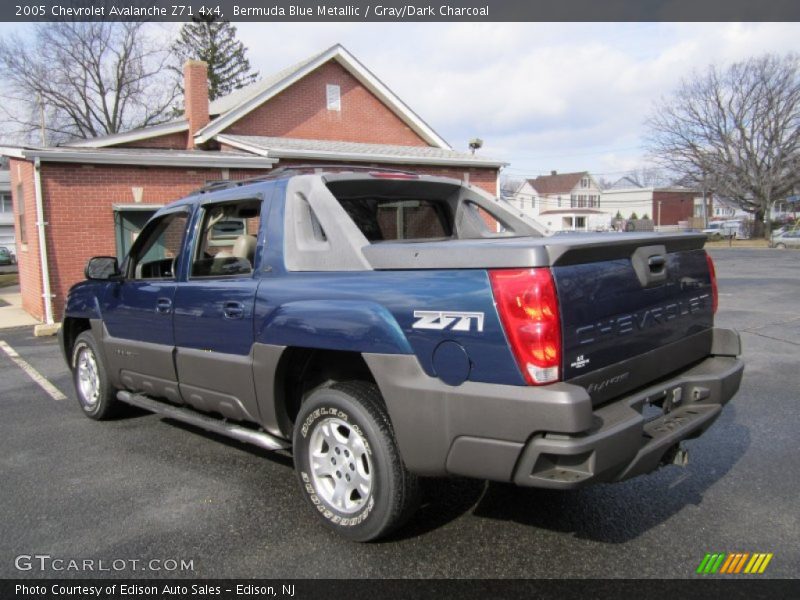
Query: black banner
[
  {"x": 400, "y": 11},
  {"x": 337, "y": 589}
]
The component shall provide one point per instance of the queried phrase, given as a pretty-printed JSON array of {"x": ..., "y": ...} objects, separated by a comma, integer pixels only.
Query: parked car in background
[
  {"x": 788, "y": 238},
  {"x": 726, "y": 229},
  {"x": 6, "y": 256}
]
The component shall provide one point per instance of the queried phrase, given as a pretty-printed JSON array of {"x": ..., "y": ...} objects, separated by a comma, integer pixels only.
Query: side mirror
[{"x": 102, "y": 268}]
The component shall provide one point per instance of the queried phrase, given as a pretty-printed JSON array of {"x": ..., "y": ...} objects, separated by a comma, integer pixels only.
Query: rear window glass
[{"x": 390, "y": 219}]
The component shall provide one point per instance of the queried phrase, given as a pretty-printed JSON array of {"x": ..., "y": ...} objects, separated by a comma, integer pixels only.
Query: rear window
[{"x": 391, "y": 219}]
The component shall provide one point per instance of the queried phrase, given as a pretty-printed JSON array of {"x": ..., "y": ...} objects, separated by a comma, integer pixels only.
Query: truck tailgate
[{"x": 631, "y": 319}]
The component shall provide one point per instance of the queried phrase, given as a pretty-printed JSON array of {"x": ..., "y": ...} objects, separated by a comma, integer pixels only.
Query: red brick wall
[
  {"x": 301, "y": 112},
  {"x": 79, "y": 208},
  {"x": 29, "y": 265},
  {"x": 171, "y": 141},
  {"x": 675, "y": 206},
  {"x": 195, "y": 96}
]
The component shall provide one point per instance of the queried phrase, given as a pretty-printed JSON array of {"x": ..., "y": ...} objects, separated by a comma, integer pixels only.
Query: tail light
[
  {"x": 712, "y": 272},
  {"x": 528, "y": 306}
]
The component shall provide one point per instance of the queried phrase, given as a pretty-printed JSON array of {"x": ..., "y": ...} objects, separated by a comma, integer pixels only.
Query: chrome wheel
[
  {"x": 88, "y": 378},
  {"x": 340, "y": 465}
]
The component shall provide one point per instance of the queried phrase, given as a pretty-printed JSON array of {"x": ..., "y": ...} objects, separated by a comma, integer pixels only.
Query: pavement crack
[{"x": 770, "y": 337}]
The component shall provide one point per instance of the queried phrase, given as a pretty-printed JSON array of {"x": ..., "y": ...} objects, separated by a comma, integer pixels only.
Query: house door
[{"x": 128, "y": 224}]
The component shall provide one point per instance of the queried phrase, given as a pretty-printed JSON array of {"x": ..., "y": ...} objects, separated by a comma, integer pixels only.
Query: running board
[{"x": 192, "y": 417}]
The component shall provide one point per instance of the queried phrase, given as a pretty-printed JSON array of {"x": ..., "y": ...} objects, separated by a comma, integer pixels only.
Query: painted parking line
[{"x": 40, "y": 379}]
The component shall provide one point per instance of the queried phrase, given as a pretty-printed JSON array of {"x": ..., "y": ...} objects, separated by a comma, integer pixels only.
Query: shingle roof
[
  {"x": 560, "y": 183},
  {"x": 278, "y": 147}
]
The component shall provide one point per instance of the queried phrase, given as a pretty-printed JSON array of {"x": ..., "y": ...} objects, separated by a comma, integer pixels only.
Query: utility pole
[{"x": 659, "y": 213}]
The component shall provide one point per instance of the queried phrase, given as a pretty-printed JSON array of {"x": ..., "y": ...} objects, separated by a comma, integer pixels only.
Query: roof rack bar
[{"x": 223, "y": 184}]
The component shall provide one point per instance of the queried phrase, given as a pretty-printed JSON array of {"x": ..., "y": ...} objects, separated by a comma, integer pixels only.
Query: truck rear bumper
[
  {"x": 624, "y": 443},
  {"x": 551, "y": 436}
]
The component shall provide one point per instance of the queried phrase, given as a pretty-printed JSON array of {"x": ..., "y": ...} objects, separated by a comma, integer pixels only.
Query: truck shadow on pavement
[{"x": 609, "y": 513}]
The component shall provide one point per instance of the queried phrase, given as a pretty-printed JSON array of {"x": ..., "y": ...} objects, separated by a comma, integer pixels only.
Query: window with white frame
[
  {"x": 5, "y": 203},
  {"x": 334, "y": 97}
]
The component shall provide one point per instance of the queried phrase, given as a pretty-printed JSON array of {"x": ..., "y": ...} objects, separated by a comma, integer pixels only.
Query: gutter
[
  {"x": 104, "y": 156},
  {"x": 107, "y": 158},
  {"x": 40, "y": 225}
]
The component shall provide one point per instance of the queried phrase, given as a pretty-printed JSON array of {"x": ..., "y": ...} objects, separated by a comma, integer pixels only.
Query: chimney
[
  {"x": 553, "y": 173},
  {"x": 195, "y": 97}
]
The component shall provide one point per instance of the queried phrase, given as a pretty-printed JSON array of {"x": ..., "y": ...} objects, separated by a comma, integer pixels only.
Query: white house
[{"x": 563, "y": 202}]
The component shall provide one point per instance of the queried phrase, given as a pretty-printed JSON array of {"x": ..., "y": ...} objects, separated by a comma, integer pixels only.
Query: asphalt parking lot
[{"x": 145, "y": 488}]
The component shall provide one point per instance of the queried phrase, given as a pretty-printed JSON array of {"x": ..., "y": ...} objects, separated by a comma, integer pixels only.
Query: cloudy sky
[
  {"x": 542, "y": 96},
  {"x": 564, "y": 96}
]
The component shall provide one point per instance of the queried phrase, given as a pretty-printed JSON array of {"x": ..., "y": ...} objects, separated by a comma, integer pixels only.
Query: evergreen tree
[{"x": 214, "y": 41}]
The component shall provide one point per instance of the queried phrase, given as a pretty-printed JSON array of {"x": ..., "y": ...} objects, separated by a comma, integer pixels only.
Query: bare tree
[
  {"x": 735, "y": 131},
  {"x": 85, "y": 79},
  {"x": 647, "y": 176},
  {"x": 509, "y": 185}
]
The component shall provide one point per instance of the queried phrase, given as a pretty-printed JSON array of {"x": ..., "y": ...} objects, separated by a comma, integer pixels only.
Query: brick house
[
  {"x": 92, "y": 197},
  {"x": 666, "y": 206}
]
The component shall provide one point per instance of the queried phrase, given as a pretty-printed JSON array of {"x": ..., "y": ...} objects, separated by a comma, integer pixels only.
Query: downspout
[{"x": 40, "y": 224}]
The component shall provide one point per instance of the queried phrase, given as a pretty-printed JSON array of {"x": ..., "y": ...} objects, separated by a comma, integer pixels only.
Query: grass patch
[
  {"x": 8, "y": 279},
  {"x": 754, "y": 243}
]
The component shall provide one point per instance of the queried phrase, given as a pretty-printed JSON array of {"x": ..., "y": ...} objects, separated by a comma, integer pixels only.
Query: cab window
[
  {"x": 226, "y": 240},
  {"x": 155, "y": 252}
]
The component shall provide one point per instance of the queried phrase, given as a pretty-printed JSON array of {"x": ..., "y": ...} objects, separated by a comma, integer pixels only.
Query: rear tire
[
  {"x": 781, "y": 246},
  {"x": 97, "y": 397},
  {"x": 348, "y": 464}
]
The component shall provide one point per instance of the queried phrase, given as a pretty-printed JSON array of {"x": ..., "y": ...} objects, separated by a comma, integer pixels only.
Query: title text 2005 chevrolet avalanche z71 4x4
[{"x": 374, "y": 323}]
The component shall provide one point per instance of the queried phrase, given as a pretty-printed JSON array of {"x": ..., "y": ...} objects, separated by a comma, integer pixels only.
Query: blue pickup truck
[{"x": 383, "y": 326}]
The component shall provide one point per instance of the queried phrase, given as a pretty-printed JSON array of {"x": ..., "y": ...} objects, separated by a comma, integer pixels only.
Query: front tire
[
  {"x": 348, "y": 463},
  {"x": 97, "y": 397}
]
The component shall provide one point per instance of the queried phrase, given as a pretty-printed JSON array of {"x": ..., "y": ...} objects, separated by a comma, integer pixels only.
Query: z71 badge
[{"x": 439, "y": 320}]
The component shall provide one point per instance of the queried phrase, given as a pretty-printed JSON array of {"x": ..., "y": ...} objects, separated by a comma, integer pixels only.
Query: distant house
[
  {"x": 563, "y": 202},
  {"x": 786, "y": 210},
  {"x": 92, "y": 197},
  {"x": 667, "y": 206}
]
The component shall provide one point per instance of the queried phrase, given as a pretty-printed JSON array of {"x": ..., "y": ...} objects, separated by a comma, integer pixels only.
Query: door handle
[
  {"x": 233, "y": 310},
  {"x": 164, "y": 306}
]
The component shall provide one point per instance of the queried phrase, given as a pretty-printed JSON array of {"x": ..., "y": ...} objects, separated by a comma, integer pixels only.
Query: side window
[
  {"x": 154, "y": 254},
  {"x": 226, "y": 240}
]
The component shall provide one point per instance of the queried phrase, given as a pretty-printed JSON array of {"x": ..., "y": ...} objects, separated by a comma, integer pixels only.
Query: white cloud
[{"x": 541, "y": 95}]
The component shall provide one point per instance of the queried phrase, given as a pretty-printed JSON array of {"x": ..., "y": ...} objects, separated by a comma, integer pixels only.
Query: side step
[{"x": 192, "y": 417}]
